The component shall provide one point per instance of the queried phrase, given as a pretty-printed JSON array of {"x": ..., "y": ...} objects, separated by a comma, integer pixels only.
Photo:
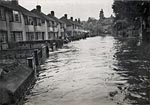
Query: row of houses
[{"x": 18, "y": 24}]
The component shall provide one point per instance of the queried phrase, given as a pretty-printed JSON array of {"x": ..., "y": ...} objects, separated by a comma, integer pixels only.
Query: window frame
[
  {"x": 2, "y": 14},
  {"x": 16, "y": 36},
  {"x": 3, "y": 37},
  {"x": 14, "y": 14}
]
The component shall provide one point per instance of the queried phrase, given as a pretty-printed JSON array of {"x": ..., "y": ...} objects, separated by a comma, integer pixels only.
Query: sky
[{"x": 74, "y": 8}]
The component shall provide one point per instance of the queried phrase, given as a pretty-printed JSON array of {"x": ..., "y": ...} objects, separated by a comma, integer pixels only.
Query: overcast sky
[{"x": 76, "y": 8}]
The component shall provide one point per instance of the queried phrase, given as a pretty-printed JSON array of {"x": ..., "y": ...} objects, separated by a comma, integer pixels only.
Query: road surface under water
[{"x": 95, "y": 71}]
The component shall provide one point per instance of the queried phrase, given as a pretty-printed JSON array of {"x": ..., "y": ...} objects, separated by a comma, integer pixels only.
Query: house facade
[
  {"x": 73, "y": 27},
  {"x": 69, "y": 26},
  {"x": 60, "y": 27},
  {"x": 17, "y": 24}
]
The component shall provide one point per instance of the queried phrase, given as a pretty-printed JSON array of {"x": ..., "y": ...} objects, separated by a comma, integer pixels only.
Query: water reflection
[
  {"x": 133, "y": 64},
  {"x": 95, "y": 71}
]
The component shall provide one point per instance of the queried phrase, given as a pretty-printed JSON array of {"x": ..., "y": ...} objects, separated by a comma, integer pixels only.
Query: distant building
[
  {"x": 70, "y": 26},
  {"x": 105, "y": 22},
  {"x": 101, "y": 15},
  {"x": 73, "y": 27}
]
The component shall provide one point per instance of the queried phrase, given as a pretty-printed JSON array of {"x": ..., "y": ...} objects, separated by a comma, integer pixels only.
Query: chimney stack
[
  {"x": 52, "y": 13},
  {"x": 65, "y": 16},
  {"x": 71, "y": 18},
  {"x": 76, "y": 20},
  {"x": 38, "y": 8}
]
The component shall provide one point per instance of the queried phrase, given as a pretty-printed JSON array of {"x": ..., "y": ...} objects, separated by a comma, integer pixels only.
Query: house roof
[
  {"x": 42, "y": 15},
  {"x": 78, "y": 24},
  {"x": 68, "y": 22},
  {"x": 19, "y": 8},
  {"x": 55, "y": 18}
]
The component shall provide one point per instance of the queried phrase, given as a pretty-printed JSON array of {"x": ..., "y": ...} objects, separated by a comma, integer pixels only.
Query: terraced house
[
  {"x": 18, "y": 24},
  {"x": 61, "y": 26},
  {"x": 69, "y": 26},
  {"x": 48, "y": 25},
  {"x": 73, "y": 28},
  {"x": 78, "y": 27}
]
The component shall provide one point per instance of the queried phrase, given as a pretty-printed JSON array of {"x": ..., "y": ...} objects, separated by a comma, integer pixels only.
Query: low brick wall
[
  {"x": 18, "y": 68},
  {"x": 16, "y": 79}
]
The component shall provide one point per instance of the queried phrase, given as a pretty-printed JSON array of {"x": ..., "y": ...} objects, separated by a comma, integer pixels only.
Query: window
[
  {"x": 3, "y": 37},
  {"x": 62, "y": 25},
  {"x": 54, "y": 24},
  {"x": 10, "y": 14},
  {"x": 39, "y": 36},
  {"x": 49, "y": 23},
  {"x": 56, "y": 35},
  {"x": 16, "y": 36},
  {"x": 25, "y": 20},
  {"x": 16, "y": 16},
  {"x": 38, "y": 22},
  {"x": 30, "y": 36},
  {"x": 2, "y": 14},
  {"x": 31, "y": 21},
  {"x": 51, "y": 35}
]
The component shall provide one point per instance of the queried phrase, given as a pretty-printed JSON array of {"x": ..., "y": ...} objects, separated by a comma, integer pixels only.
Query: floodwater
[{"x": 95, "y": 71}]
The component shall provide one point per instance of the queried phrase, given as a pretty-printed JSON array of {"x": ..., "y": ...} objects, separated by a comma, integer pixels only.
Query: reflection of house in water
[{"x": 133, "y": 66}]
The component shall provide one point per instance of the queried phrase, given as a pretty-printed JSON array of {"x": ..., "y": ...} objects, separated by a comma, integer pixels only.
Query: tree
[{"x": 133, "y": 11}]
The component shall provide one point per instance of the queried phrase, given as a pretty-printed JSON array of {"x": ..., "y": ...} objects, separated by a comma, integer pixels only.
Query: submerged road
[{"x": 94, "y": 71}]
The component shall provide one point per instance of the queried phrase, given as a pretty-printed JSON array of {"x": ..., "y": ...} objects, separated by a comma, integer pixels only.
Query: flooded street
[{"x": 94, "y": 71}]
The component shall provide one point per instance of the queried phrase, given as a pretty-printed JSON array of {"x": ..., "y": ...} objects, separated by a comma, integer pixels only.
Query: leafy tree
[{"x": 133, "y": 11}]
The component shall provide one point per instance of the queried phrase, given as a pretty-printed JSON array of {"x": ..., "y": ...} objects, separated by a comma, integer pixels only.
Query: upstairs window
[
  {"x": 49, "y": 23},
  {"x": 38, "y": 22},
  {"x": 26, "y": 20},
  {"x": 54, "y": 24},
  {"x": 2, "y": 14},
  {"x": 16, "y": 16},
  {"x": 31, "y": 21}
]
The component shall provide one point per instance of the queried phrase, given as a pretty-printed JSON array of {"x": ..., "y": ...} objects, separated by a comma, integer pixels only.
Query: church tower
[{"x": 101, "y": 15}]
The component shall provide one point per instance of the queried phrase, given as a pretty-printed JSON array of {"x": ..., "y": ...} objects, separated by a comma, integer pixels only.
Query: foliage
[
  {"x": 133, "y": 11},
  {"x": 92, "y": 25}
]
